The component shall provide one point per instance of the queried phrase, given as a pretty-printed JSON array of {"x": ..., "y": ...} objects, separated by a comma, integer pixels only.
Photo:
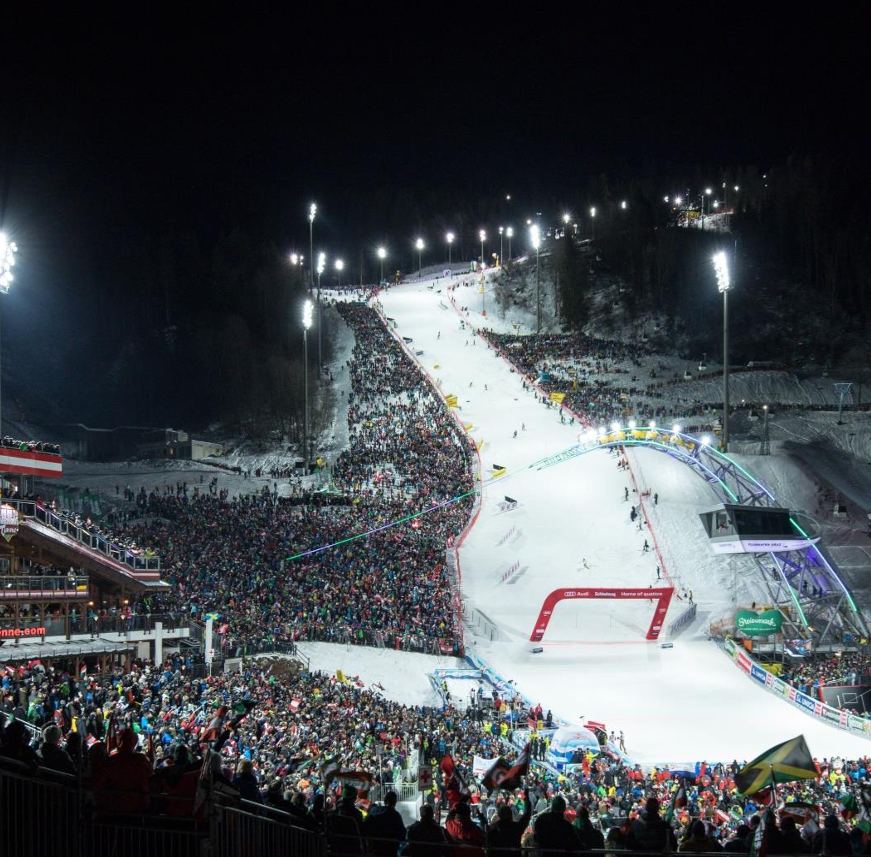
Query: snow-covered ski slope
[{"x": 686, "y": 702}]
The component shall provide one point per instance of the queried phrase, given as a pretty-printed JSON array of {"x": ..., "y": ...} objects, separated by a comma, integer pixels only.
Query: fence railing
[
  {"x": 137, "y": 562},
  {"x": 51, "y": 585}
]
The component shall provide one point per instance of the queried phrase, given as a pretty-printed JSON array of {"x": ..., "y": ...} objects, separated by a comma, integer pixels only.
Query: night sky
[{"x": 135, "y": 126}]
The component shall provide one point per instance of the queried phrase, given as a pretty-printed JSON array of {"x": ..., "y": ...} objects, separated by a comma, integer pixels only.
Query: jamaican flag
[{"x": 783, "y": 763}]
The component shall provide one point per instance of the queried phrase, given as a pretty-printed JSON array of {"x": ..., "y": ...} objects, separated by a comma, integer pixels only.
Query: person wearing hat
[
  {"x": 588, "y": 834},
  {"x": 553, "y": 832},
  {"x": 649, "y": 832}
]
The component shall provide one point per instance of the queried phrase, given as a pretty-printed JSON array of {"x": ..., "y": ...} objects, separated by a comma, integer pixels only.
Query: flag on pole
[
  {"x": 783, "y": 763},
  {"x": 678, "y": 801},
  {"x": 455, "y": 785},
  {"x": 501, "y": 775}
]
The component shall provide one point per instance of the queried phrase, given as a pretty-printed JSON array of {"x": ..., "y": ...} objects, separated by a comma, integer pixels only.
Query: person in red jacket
[
  {"x": 122, "y": 784},
  {"x": 462, "y": 831}
]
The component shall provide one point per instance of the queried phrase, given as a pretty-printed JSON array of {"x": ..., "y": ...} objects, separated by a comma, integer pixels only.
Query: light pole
[
  {"x": 419, "y": 245},
  {"x": 707, "y": 192},
  {"x": 567, "y": 219},
  {"x": 509, "y": 233},
  {"x": 501, "y": 231},
  {"x": 593, "y": 222},
  {"x": 8, "y": 249},
  {"x": 340, "y": 266},
  {"x": 535, "y": 237},
  {"x": 306, "y": 324},
  {"x": 322, "y": 264},
  {"x": 483, "y": 236},
  {"x": 382, "y": 255},
  {"x": 721, "y": 267},
  {"x": 450, "y": 239},
  {"x": 311, "y": 225}
]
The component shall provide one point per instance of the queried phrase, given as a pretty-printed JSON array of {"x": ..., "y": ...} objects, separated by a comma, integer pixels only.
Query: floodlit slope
[{"x": 685, "y": 702}]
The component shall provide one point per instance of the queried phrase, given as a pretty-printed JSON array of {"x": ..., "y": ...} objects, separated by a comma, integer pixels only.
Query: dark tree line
[
  {"x": 799, "y": 251},
  {"x": 198, "y": 333}
]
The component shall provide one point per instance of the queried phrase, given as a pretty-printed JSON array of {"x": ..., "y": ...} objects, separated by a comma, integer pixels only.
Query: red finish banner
[{"x": 662, "y": 597}]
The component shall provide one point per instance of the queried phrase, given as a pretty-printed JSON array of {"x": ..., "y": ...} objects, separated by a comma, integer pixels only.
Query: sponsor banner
[
  {"x": 753, "y": 624},
  {"x": 832, "y": 715},
  {"x": 480, "y": 766},
  {"x": 21, "y": 632},
  {"x": 8, "y": 521},
  {"x": 759, "y": 674},
  {"x": 814, "y": 707}
]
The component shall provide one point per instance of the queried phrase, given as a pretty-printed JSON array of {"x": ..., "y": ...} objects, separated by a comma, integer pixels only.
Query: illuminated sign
[{"x": 22, "y": 632}]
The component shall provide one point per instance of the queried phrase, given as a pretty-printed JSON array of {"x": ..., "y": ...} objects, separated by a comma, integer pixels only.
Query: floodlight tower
[
  {"x": 721, "y": 267},
  {"x": 535, "y": 238},
  {"x": 307, "y": 310}
]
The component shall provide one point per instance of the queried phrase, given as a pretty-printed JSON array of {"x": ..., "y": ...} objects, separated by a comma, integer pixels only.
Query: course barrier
[{"x": 783, "y": 690}]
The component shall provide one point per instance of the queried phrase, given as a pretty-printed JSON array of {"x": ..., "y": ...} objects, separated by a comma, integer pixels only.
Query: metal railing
[
  {"x": 137, "y": 562},
  {"x": 48, "y": 583},
  {"x": 125, "y": 624}
]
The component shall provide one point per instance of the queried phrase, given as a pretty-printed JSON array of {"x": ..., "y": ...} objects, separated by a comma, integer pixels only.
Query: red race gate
[{"x": 662, "y": 596}]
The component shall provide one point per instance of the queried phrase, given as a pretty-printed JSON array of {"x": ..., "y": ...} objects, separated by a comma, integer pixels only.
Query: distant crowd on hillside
[{"x": 238, "y": 558}]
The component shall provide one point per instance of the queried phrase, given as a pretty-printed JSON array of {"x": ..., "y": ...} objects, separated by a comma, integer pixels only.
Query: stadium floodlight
[
  {"x": 567, "y": 218},
  {"x": 678, "y": 200},
  {"x": 311, "y": 253},
  {"x": 340, "y": 266},
  {"x": 706, "y": 441},
  {"x": 322, "y": 263},
  {"x": 676, "y": 429},
  {"x": 508, "y": 197},
  {"x": 593, "y": 222},
  {"x": 450, "y": 239},
  {"x": 307, "y": 310},
  {"x": 8, "y": 249},
  {"x": 721, "y": 268},
  {"x": 623, "y": 205},
  {"x": 419, "y": 245},
  {"x": 382, "y": 255},
  {"x": 615, "y": 426},
  {"x": 665, "y": 199},
  {"x": 294, "y": 258}
]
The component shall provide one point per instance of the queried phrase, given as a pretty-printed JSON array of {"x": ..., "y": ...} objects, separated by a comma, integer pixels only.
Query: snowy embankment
[
  {"x": 400, "y": 676},
  {"x": 571, "y": 528}
]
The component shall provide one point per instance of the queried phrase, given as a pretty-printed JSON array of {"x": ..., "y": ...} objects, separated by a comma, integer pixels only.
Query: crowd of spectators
[
  {"x": 392, "y": 588},
  {"x": 846, "y": 668},
  {"x": 605, "y": 380},
  {"x": 30, "y": 445},
  {"x": 269, "y": 730}
]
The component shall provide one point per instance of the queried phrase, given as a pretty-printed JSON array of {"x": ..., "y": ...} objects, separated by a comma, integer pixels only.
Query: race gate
[{"x": 662, "y": 597}]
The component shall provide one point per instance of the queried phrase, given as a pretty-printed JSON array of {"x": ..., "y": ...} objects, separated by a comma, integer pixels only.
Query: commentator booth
[{"x": 734, "y": 528}]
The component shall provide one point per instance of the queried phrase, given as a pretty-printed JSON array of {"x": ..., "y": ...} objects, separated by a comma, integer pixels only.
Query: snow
[
  {"x": 688, "y": 701},
  {"x": 403, "y": 675}
]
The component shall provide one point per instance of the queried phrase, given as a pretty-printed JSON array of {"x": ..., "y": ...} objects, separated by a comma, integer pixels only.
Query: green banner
[{"x": 753, "y": 624}]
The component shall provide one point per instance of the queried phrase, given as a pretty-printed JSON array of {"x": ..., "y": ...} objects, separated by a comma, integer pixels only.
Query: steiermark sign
[{"x": 753, "y": 624}]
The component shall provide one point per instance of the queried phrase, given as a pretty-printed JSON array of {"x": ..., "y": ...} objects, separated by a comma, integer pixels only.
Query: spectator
[
  {"x": 553, "y": 832},
  {"x": 504, "y": 833},
  {"x": 245, "y": 782},
  {"x": 122, "y": 784},
  {"x": 466, "y": 837},
  {"x": 54, "y": 757},
  {"x": 426, "y": 838},
  {"x": 650, "y": 832},
  {"x": 383, "y": 827}
]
